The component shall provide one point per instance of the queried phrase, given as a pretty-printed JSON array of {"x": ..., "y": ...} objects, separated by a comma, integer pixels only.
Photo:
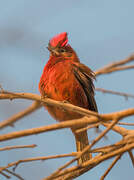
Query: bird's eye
[{"x": 62, "y": 50}]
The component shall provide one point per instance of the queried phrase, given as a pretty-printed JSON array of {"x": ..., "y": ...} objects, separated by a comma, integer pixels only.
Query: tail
[{"x": 81, "y": 139}]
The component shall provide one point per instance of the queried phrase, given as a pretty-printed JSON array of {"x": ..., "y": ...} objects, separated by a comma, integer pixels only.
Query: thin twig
[
  {"x": 17, "y": 147},
  {"x": 16, "y": 163},
  {"x": 131, "y": 157},
  {"x": 126, "y": 95},
  {"x": 14, "y": 174},
  {"x": 88, "y": 127},
  {"x": 10, "y": 121},
  {"x": 97, "y": 160},
  {"x": 48, "y": 101},
  {"x": 111, "y": 70},
  {"x": 68, "y": 124},
  {"x": 5, "y": 175},
  {"x": 108, "y": 67},
  {"x": 99, "y": 137},
  {"x": 124, "y": 123},
  {"x": 111, "y": 166},
  {"x": 55, "y": 173},
  {"x": 82, "y": 152}
]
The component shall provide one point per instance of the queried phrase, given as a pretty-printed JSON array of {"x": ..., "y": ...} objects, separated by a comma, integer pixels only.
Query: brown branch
[
  {"x": 117, "y": 64},
  {"x": 10, "y": 121},
  {"x": 67, "y": 106},
  {"x": 14, "y": 174},
  {"x": 107, "y": 71},
  {"x": 120, "y": 130},
  {"x": 67, "y": 124},
  {"x": 43, "y": 129},
  {"x": 96, "y": 160},
  {"x": 124, "y": 123},
  {"x": 84, "y": 150},
  {"x": 47, "y": 101},
  {"x": 17, "y": 147},
  {"x": 121, "y": 62},
  {"x": 111, "y": 166},
  {"x": 5, "y": 175},
  {"x": 88, "y": 127},
  {"x": 86, "y": 121},
  {"x": 110, "y": 149},
  {"x": 131, "y": 157},
  {"x": 93, "y": 118},
  {"x": 80, "y": 171},
  {"x": 126, "y": 95},
  {"x": 60, "y": 169},
  {"x": 16, "y": 163}
]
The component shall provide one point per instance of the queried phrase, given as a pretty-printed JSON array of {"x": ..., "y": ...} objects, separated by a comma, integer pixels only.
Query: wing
[{"x": 85, "y": 77}]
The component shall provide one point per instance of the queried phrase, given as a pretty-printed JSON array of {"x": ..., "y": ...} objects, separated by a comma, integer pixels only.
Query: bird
[{"x": 65, "y": 78}]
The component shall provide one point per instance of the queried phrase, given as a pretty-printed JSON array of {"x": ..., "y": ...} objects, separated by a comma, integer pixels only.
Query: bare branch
[
  {"x": 47, "y": 101},
  {"x": 17, "y": 147},
  {"x": 131, "y": 156},
  {"x": 67, "y": 124},
  {"x": 96, "y": 160},
  {"x": 126, "y": 95},
  {"x": 111, "y": 166},
  {"x": 14, "y": 174},
  {"x": 120, "y": 130},
  {"x": 9, "y": 122},
  {"x": 124, "y": 123},
  {"x": 107, "y": 71},
  {"x": 88, "y": 127},
  {"x": 116, "y": 66},
  {"x": 16, "y": 163},
  {"x": 5, "y": 175},
  {"x": 91, "y": 120},
  {"x": 84, "y": 150}
]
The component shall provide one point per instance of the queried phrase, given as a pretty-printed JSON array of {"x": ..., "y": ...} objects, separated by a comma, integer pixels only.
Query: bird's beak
[{"x": 53, "y": 51}]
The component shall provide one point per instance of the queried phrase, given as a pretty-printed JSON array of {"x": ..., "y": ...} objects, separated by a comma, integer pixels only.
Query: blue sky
[{"x": 101, "y": 32}]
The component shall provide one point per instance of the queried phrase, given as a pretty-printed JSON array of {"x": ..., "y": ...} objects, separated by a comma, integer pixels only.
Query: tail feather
[{"x": 81, "y": 139}]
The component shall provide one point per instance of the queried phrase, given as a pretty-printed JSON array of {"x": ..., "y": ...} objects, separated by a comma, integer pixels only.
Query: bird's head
[{"x": 58, "y": 46}]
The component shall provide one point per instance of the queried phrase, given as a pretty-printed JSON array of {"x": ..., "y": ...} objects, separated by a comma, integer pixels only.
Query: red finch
[{"x": 64, "y": 78}]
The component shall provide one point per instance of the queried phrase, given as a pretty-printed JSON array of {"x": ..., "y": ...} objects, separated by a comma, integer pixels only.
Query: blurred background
[{"x": 101, "y": 32}]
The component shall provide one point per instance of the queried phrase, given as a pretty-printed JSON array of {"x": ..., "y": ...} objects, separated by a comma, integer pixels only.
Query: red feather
[
  {"x": 60, "y": 40},
  {"x": 65, "y": 78}
]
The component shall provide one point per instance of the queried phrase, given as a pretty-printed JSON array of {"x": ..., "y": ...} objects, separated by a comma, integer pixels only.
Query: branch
[
  {"x": 92, "y": 119},
  {"x": 83, "y": 151},
  {"x": 126, "y": 95},
  {"x": 17, "y": 147},
  {"x": 67, "y": 124},
  {"x": 16, "y": 163},
  {"x": 126, "y": 124},
  {"x": 9, "y": 122},
  {"x": 116, "y": 66},
  {"x": 95, "y": 161},
  {"x": 131, "y": 157},
  {"x": 111, "y": 166},
  {"x": 107, "y": 71},
  {"x": 120, "y": 130},
  {"x": 47, "y": 101},
  {"x": 5, "y": 175},
  {"x": 14, "y": 174}
]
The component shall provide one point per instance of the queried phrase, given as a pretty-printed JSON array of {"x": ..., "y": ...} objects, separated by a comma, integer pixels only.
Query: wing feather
[{"x": 85, "y": 77}]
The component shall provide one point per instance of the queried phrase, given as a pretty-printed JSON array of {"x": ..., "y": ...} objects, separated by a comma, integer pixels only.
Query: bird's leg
[{"x": 81, "y": 139}]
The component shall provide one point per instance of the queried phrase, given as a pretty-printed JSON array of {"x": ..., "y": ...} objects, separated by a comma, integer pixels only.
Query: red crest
[{"x": 59, "y": 40}]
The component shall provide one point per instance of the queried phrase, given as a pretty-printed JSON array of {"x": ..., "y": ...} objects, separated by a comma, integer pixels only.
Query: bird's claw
[{"x": 65, "y": 101}]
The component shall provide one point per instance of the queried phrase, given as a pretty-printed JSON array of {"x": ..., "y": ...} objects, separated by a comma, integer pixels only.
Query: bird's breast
[{"x": 59, "y": 83}]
